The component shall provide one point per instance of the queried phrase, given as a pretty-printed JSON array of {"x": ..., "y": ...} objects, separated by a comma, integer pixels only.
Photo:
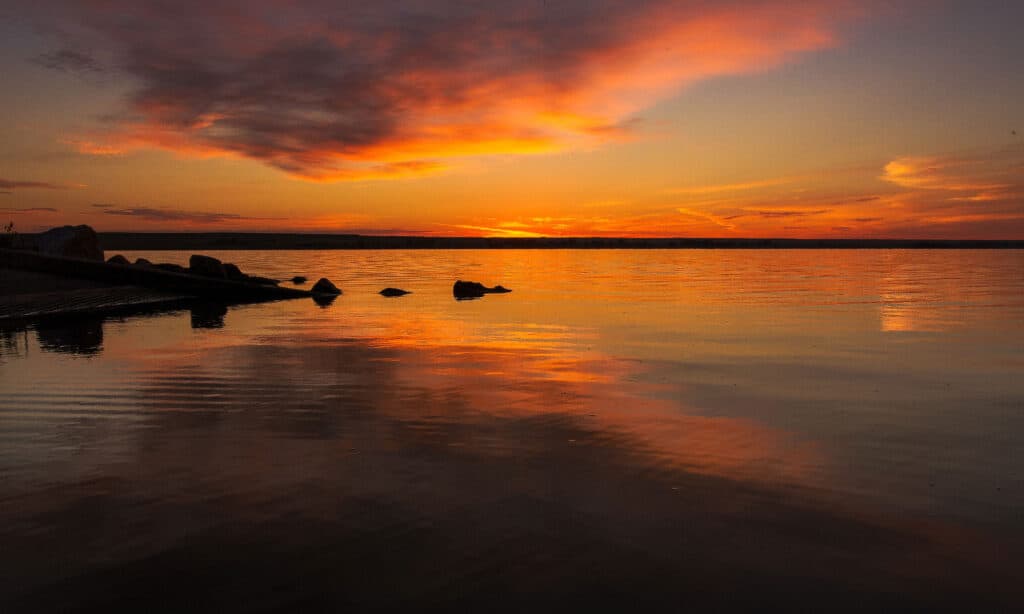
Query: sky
[{"x": 643, "y": 118}]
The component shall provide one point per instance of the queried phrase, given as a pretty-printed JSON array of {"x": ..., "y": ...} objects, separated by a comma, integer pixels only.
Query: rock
[
  {"x": 206, "y": 266},
  {"x": 70, "y": 242},
  {"x": 117, "y": 259},
  {"x": 298, "y": 279},
  {"x": 393, "y": 292},
  {"x": 233, "y": 272},
  {"x": 263, "y": 281},
  {"x": 142, "y": 262},
  {"x": 324, "y": 286},
  {"x": 472, "y": 289},
  {"x": 173, "y": 268}
]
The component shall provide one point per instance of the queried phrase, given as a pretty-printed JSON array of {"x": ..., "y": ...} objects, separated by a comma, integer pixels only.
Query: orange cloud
[{"x": 380, "y": 90}]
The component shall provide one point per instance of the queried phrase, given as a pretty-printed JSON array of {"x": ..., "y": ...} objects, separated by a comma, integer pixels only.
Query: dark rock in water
[
  {"x": 206, "y": 266},
  {"x": 472, "y": 289},
  {"x": 393, "y": 292},
  {"x": 173, "y": 268},
  {"x": 298, "y": 279},
  {"x": 117, "y": 259},
  {"x": 324, "y": 300},
  {"x": 70, "y": 242},
  {"x": 324, "y": 286},
  {"x": 263, "y": 281},
  {"x": 233, "y": 272},
  {"x": 142, "y": 262}
]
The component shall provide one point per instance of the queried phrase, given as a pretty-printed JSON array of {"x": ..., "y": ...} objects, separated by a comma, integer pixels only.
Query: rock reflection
[
  {"x": 208, "y": 314},
  {"x": 324, "y": 300},
  {"x": 83, "y": 336}
]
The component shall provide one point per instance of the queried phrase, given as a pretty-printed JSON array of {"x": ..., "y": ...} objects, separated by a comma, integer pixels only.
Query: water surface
[{"x": 626, "y": 428}]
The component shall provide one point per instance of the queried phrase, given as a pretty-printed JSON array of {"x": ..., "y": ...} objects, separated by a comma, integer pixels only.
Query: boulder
[
  {"x": 173, "y": 268},
  {"x": 263, "y": 281},
  {"x": 389, "y": 292},
  {"x": 206, "y": 266},
  {"x": 233, "y": 272},
  {"x": 142, "y": 262},
  {"x": 298, "y": 279},
  {"x": 472, "y": 289},
  {"x": 324, "y": 286},
  {"x": 117, "y": 259},
  {"x": 70, "y": 242}
]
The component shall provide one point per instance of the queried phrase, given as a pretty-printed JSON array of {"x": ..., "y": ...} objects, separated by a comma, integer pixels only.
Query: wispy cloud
[
  {"x": 781, "y": 213},
  {"x": 723, "y": 188},
  {"x": 350, "y": 91},
  {"x": 69, "y": 60},
  {"x": 155, "y": 214},
  {"x": 11, "y": 184},
  {"x": 29, "y": 210}
]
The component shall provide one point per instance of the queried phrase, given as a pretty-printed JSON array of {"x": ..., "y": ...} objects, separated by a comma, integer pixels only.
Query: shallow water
[{"x": 625, "y": 428}]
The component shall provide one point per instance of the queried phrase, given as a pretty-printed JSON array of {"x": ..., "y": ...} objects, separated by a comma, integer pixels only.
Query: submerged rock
[
  {"x": 117, "y": 259},
  {"x": 324, "y": 286},
  {"x": 70, "y": 242},
  {"x": 472, "y": 289},
  {"x": 298, "y": 279},
  {"x": 389, "y": 292},
  {"x": 206, "y": 266}
]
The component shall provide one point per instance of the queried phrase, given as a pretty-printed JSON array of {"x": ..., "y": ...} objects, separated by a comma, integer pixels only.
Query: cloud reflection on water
[{"x": 319, "y": 471}]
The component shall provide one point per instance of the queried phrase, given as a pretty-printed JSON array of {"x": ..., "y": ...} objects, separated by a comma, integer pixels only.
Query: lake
[{"x": 627, "y": 429}]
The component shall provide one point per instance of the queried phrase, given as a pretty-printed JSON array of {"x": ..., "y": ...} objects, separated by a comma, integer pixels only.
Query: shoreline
[
  {"x": 170, "y": 241},
  {"x": 34, "y": 285}
]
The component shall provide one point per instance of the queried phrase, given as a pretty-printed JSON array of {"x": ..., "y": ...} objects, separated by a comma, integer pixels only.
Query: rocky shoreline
[
  {"x": 92, "y": 285},
  {"x": 63, "y": 272}
]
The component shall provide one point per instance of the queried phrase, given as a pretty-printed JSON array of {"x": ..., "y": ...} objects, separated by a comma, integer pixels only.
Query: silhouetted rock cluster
[
  {"x": 298, "y": 279},
  {"x": 203, "y": 266},
  {"x": 231, "y": 271},
  {"x": 472, "y": 289},
  {"x": 206, "y": 266}
]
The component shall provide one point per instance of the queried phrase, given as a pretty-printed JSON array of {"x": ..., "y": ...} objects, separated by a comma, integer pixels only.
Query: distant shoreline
[{"x": 288, "y": 241}]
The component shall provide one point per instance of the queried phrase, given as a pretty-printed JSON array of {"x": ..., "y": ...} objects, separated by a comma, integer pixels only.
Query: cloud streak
[
  {"x": 347, "y": 91},
  {"x": 154, "y": 214},
  {"x": 29, "y": 209},
  {"x": 10, "y": 184}
]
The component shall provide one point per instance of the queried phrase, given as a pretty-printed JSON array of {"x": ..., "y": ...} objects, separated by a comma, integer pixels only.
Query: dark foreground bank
[
  {"x": 63, "y": 271},
  {"x": 272, "y": 241}
]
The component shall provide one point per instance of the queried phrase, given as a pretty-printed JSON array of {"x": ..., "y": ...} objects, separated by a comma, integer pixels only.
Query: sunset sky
[{"x": 729, "y": 118}]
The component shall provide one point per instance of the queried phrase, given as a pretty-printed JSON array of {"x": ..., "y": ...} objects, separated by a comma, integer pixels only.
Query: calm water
[{"x": 627, "y": 428}]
